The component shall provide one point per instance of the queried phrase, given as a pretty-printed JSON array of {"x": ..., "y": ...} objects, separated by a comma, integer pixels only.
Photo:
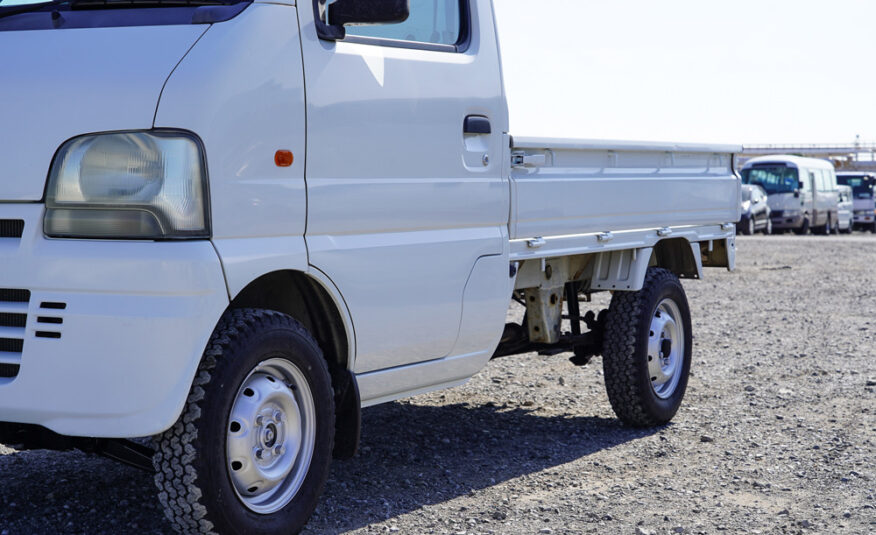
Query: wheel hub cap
[
  {"x": 271, "y": 435},
  {"x": 665, "y": 348}
]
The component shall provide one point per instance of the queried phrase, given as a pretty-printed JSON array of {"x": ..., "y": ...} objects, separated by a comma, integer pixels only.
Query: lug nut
[
  {"x": 259, "y": 420},
  {"x": 258, "y": 453},
  {"x": 278, "y": 450},
  {"x": 278, "y": 416}
]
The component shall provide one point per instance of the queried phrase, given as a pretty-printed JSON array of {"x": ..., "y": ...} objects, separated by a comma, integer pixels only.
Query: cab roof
[{"x": 796, "y": 161}]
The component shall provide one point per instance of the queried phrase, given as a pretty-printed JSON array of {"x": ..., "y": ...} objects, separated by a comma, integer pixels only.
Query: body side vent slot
[
  {"x": 47, "y": 334},
  {"x": 8, "y": 319},
  {"x": 14, "y": 296},
  {"x": 11, "y": 345},
  {"x": 13, "y": 317},
  {"x": 8, "y": 371},
  {"x": 11, "y": 228}
]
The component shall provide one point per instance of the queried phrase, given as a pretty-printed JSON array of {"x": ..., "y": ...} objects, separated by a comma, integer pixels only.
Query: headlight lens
[
  {"x": 132, "y": 185},
  {"x": 746, "y": 205}
]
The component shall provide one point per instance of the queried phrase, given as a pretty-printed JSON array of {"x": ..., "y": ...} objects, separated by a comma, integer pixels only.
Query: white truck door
[{"x": 405, "y": 124}]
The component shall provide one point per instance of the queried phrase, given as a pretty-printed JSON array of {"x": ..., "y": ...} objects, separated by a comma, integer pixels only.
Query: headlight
[
  {"x": 131, "y": 185},
  {"x": 746, "y": 205}
]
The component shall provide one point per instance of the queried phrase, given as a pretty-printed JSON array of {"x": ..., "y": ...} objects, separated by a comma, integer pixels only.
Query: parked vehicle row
[{"x": 786, "y": 192}]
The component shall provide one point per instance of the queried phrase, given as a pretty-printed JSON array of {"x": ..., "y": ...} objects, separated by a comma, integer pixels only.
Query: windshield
[
  {"x": 17, "y": 15},
  {"x": 772, "y": 178},
  {"x": 861, "y": 185}
]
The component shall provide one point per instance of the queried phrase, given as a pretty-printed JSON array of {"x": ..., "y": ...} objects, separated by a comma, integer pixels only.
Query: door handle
[{"x": 476, "y": 124}]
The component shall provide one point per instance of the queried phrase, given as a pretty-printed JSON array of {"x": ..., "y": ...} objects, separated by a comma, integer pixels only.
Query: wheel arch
[
  {"x": 313, "y": 300},
  {"x": 308, "y": 301},
  {"x": 679, "y": 256}
]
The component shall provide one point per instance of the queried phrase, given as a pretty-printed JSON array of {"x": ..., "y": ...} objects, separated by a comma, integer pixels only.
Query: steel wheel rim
[
  {"x": 270, "y": 436},
  {"x": 665, "y": 348}
]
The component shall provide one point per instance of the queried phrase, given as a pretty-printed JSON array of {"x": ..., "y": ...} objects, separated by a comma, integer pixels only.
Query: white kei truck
[{"x": 230, "y": 225}]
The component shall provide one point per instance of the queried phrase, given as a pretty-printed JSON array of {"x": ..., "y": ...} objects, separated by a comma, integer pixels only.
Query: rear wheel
[
  {"x": 824, "y": 230},
  {"x": 251, "y": 451},
  {"x": 768, "y": 228},
  {"x": 647, "y": 350}
]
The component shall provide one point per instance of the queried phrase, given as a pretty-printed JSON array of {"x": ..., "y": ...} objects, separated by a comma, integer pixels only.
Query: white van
[
  {"x": 802, "y": 191},
  {"x": 865, "y": 206}
]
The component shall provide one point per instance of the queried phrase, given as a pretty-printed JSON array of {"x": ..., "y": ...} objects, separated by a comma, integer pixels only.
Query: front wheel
[
  {"x": 647, "y": 350},
  {"x": 768, "y": 228},
  {"x": 251, "y": 451},
  {"x": 803, "y": 229}
]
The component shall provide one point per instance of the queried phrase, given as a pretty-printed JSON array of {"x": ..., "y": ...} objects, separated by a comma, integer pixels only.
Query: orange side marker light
[{"x": 283, "y": 158}]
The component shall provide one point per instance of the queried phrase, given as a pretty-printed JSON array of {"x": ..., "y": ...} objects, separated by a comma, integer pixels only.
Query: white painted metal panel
[
  {"x": 137, "y": 318},
  {"x": 569, "y": 187},
  {"x": 60, "y": 84},
  {"x": 245, "y": 107},
  {"x": 399, "y": 210}
]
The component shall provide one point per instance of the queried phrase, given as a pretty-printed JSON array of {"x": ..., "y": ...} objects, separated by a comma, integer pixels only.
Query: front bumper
[
  {"x": 782, "y": 220},
  {"x": 866, "y": 218},
  {"x": 114, "y": 330}
]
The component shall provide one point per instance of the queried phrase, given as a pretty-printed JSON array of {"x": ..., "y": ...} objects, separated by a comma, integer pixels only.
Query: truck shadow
[
  {"x": 415, "y": 455},
  {"x": 411, "y": 456}
]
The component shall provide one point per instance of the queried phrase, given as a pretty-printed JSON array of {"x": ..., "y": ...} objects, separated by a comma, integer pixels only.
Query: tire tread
[{"x": 619, "y": 350}]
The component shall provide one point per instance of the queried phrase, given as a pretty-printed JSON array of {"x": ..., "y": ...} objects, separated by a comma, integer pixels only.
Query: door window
[
  {"x": 431, "y": 22},
  {"x": 820, "y": 182}
]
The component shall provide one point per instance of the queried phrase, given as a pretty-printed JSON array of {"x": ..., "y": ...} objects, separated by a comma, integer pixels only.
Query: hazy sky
[{"x": 747, "y": 71}]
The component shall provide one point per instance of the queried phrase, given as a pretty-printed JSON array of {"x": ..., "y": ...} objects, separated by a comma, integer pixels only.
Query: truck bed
[{"x": 570, "y": 195}]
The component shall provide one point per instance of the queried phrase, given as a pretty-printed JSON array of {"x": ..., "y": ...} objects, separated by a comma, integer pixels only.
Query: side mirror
[
  {"x": 343, "y": 12},
  {"x": 800, "y": 184},
  {"x": 797, "y": 193}
]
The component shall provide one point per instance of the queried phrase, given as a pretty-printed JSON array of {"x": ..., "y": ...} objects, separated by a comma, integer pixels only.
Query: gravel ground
[{"x": 776, "y": 434}]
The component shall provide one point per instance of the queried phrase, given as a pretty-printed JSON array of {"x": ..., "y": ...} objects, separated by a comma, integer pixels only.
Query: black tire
[
  {"x": 823, "y": 230},
  {"x": 804, "y": 228},
  {"x": 768, "y": 227},
  {"x": 625, "y": 351},
  {"x": 193, "y": 471},
  {"x": 748, "y": 226}
]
